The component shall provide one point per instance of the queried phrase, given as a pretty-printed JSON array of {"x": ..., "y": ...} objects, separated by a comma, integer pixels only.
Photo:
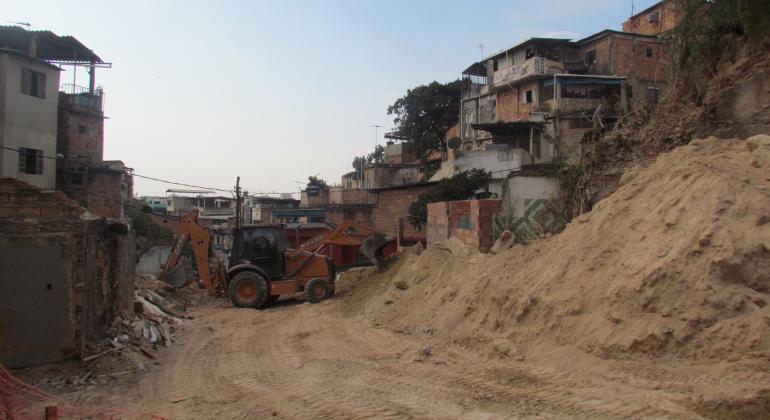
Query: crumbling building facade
[{"x": 65, "y": 276}]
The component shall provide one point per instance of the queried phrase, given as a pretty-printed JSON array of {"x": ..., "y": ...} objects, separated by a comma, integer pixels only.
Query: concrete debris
[{"x": 503, "y": 242}]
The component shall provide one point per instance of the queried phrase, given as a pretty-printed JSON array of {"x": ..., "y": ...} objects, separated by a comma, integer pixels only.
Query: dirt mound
[{"x": 675, "y": 263}]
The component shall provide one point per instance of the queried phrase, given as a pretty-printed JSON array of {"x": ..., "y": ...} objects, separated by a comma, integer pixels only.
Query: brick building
[
  {"x": 72, "y": 275},
  {"x": 386, "y": 210},
  {"x": 655, "y": 20},
  {"x": 469, "y": 221},
  {"x": 105, "y": 188}
]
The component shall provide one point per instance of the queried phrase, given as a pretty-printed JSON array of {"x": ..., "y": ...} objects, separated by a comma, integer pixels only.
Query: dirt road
[{"x": 297, "y": 360}]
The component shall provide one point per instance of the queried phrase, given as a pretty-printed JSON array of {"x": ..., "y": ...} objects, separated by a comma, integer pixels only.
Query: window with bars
[
  {"x": 30, "y": 161},
  {"x": 32, "y": 83}
]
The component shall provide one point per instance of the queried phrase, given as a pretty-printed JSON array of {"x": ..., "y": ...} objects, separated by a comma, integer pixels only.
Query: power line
[
  {"x": 182, "y": 184},
  {"x": 62, "y": 158}
]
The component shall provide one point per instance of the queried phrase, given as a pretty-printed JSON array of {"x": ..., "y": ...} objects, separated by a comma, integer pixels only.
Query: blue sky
[{"x": 275, "y": 91}]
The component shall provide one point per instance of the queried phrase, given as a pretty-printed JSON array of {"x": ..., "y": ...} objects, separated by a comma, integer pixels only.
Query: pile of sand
[{"x": 675, "y": 262}]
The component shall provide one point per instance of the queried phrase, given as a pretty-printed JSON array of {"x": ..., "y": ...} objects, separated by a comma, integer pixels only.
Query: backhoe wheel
[
  {"x": 248, "y": 289},
  {"x": 317, "y": 289}
]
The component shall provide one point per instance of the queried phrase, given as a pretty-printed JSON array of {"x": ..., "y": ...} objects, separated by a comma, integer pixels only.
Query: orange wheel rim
[
  {"x": 319, "y": 290},
  {"x": 246, "y": 291}
]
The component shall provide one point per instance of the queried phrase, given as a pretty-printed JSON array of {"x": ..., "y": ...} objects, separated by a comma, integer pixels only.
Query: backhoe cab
[{"x": 262, "y": 268}]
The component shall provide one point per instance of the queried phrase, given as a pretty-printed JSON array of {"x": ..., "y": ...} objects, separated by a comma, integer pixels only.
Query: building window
[
  {"x": 529, "y": 97},
  {"x": 653, "y": 17},
  {"x": 30, "y": 161},
  {"x": 591, "y": 57},
  {"x": 649, "y": 52},
  {"x": 530, "y": 52},
  {"x": 82, "y": 129},
  {"x": 32, "y": 83},
  {"x": 494, "y": 65},
  {"x": 504, "y": 155}
]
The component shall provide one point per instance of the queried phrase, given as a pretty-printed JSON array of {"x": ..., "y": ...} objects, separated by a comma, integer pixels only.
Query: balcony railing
[
  {"x": 82, "y": 97},
  {"x": 535, "y": 66}
]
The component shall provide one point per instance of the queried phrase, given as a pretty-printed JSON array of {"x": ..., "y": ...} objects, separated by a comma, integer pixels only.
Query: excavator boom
[{"x": 210, "y": 269}]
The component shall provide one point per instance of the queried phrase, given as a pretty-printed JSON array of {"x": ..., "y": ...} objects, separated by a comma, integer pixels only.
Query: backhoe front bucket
[
  {"x": 372, "y": 248},
  {"x": 176, "y": 277}
]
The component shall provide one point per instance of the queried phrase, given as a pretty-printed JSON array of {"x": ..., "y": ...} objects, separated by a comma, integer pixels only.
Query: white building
[
  {"x": 499, "y": 159},
  {"x": 28, "y": 118}
]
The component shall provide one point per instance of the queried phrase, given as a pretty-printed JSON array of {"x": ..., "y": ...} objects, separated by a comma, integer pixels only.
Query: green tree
[
  {"x": 145, "y": 226},
  {"x": 377, "y": 156},
  {"x": 314, "y": 181},
  {"x": 461, "y": 186},
  {"x": 426, "y": 112}
]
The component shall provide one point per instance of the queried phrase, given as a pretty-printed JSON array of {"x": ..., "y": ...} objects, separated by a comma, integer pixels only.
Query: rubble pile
[
  {"x": 675, "y": 263},
  {"x": 157, "y": 315},
  {"x": 131, "y": 344}
]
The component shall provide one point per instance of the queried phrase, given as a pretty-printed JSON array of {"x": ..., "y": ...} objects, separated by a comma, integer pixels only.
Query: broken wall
[
  {"x": 529, "y": 207},
  {"x": 64, "y": 278},
  {"x": 470, "y": 221}
]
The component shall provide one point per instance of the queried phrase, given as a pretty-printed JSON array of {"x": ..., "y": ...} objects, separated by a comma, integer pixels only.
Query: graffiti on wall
[{"x": 540, "y": 217}]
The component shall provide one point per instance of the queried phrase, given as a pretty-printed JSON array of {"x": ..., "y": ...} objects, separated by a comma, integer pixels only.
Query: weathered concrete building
[
  {"x": 498, "y": 159},
  {"x": 260, "y": 209},
  {"x": 64, "y": 277},
  {"x": 657, "y": 19},
  {"x": 72, "y": 159},
  {"x": 398, "y": 152},
  {"x": 28, "y": 118}
]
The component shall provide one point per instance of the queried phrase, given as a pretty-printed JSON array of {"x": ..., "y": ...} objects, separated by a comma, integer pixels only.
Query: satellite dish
[{"x": 454, "y": 143}]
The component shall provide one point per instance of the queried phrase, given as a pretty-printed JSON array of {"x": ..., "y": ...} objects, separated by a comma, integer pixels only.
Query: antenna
[
  {"x": 27, "y": 24},
  {"x": 376, "y": 133},
  {"x": 481, "y": 47},
  {"x": 632, "y": 7}
]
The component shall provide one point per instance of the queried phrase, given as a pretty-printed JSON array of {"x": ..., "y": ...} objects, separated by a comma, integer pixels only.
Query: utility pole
[{"x": 237, "y": 203}]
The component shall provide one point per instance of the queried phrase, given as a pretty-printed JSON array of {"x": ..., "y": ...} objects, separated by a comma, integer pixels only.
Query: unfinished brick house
[
  {"x": 470, "y": 221},
  {"x": 655, "y": 20},
  {"x": 65, "y": 277},
  {"x": 541, "y": 95}
]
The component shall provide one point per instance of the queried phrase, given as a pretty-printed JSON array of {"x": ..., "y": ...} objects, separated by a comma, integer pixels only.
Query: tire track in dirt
[{"x": 310, "y": 361}]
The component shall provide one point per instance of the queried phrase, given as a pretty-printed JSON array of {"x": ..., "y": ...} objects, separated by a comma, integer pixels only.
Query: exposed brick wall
[
  {"x": 97, "y": 278},
  {"x": 21, "y": 200},
  {"x": 392, "y": 205},
  {"x": 506, "y": 105},
  {"x": 80, "y": 133},
  {"x": 438, "y": 222},
  {"x": 669, "y": 15},
  {"x": 104, "y": 192},
  {"x": 316, "y": 201},
  {"x": 360, "y": 215},
  {"x": 469, "y": 221}
]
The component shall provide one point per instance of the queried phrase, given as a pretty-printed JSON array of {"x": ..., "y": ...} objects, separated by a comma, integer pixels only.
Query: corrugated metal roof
[{"x": 50, "y": 47}]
